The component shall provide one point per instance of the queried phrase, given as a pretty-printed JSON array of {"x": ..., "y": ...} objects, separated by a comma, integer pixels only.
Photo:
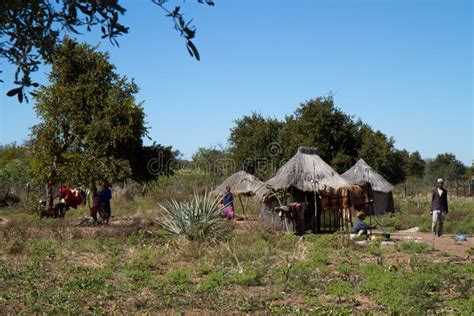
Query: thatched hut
[
  {"x": 381, "y": 188},
  {"x": 241, "y": 184},
  {"x": 310, "y": 181}
]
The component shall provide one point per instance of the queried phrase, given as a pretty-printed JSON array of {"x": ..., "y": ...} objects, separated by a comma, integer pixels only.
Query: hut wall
[
  {"x": 383, "y": 203},
  {"x": 268, "y": 216}
]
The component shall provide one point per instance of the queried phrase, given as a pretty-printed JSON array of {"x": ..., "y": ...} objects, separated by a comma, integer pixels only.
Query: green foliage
[
  {"x": 90, "y": 123},
  {"x": 149, "y": 162},
  {"x": 213, "y": 161},
  {"x": 196, "y": 219},
  {"x": 412, "y": 246},
  {"x": 13, "y": 165},
  {"x": 414, "y": 212},
  {"x": 287, "y": 241},
  {"x": 251, "y": 276},
  {"x": 178, "y": 279},
  {"x": 379, "y": 152},
  {"x": 319, "y": 123},
  {"x": 340, "y": 289},
  {"x": 43, "y": 248},
  {"x": 214, "y": 281},
  {"x": 254, "y": 144},
  {"x": 414, "y": 165},
  {"x": 28, "y": 48},
  {"x": 411, "y": 292},
  {"x": 260, "y": 145},
  {"x": 444, "y": 166}
]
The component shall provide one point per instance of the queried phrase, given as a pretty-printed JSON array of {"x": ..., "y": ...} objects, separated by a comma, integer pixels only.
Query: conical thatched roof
[
  {"x": 361, "y": 172},
  {"x": 300, "y": 172},
  {"x": 241, "y": 183}
]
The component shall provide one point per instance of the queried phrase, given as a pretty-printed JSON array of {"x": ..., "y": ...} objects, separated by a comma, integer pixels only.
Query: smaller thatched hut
[
  {"x": 240, "y": 183},
  {"x": 381, "y": 189}
]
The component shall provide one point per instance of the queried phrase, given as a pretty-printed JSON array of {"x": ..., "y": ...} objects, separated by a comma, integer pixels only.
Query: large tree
[
  {"x": 319, "y": 123},
  {"x": 31, "y": 30},
  {"x": 379, "y": 152},
  {"x": 91, "y": 125}
]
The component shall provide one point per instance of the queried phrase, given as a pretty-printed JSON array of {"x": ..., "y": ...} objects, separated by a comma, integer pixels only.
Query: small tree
[{"x": 90, "y": 123}]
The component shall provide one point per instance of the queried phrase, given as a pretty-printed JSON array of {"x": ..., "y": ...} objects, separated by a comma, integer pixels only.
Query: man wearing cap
[{"x": 439, "y": 207}]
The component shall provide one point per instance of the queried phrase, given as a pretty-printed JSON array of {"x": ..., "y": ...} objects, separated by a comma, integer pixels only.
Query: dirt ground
[{"x": 445, "y": 243}]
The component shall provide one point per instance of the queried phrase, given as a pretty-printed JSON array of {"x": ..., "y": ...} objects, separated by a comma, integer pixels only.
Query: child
[{"x": 360, "y": 228}]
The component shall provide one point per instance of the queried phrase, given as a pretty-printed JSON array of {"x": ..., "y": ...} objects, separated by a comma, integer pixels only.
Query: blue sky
[{"x": 404, "y": 67}]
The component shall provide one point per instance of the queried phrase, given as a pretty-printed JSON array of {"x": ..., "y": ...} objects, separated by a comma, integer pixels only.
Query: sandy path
[{"x": 445, "y": 243}]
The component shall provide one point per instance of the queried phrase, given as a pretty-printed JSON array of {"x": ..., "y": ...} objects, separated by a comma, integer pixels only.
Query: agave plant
[{"x": 197, "y": 219}]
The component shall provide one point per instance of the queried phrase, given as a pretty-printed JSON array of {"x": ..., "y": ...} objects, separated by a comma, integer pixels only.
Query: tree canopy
[
  {"x": 257, "y": 142},
  {"x": 319, "y": 123},
  {"x": 91, "y": 126},
  {"x": 13, "y": 165},
  {"x": 444, "y": 166}
]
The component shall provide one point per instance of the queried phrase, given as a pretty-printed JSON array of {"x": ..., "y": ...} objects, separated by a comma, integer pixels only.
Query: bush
[
  {"x": 413, "y": 246},
  {"x": 196, "y": 219},
  {"x": 215, "y": 280},
  {"x": 287, "y": 241},
  {"x": 178, "y": 279},
  {"x": 251, "y": 276},
  {"x": 340, "y": 289}
]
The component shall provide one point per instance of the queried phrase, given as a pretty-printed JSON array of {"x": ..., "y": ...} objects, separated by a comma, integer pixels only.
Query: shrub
[
  {"x": 197, "y": 219},
  {"x": 251, "y": 276},
  {"x": 14, "y": 246},
  {"x": 340, "y": 289},
  {"x": 413, "y": 246},
  {"x": 215, "y": 280},
  {"x": 287, "y": 241},
  {"x": 178, "y": 279},
  {"x": 43, "y": 248}
]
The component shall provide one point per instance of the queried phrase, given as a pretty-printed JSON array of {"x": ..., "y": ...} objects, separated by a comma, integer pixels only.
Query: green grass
[
  {"x": 415, "y": 212},
  {"x": 54, "y": 267}
]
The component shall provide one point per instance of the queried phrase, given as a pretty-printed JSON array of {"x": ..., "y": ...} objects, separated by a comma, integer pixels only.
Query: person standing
[
  {"x": 105, "y": 197},
  {"x": 95, "y": 203},
  {"x": 439, "y": 207},
  {"x": 228, "y": 201}
]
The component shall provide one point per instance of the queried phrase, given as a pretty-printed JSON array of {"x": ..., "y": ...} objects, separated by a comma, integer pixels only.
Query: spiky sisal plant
[{"x": 197, "y": 219}]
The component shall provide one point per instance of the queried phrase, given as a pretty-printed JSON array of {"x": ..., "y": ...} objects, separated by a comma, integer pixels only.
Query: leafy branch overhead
[
  {"x": 186, "y": 30},
  {"x": 31, "y": 30}
]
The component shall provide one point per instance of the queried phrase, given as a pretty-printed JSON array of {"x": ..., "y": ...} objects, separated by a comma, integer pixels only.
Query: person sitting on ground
[
  {"x": 105, "y": 197},
  {"x": 360, "y": 228},
  {"x": 95, "y": 203},
  {"x": 228, "y": 201}
]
